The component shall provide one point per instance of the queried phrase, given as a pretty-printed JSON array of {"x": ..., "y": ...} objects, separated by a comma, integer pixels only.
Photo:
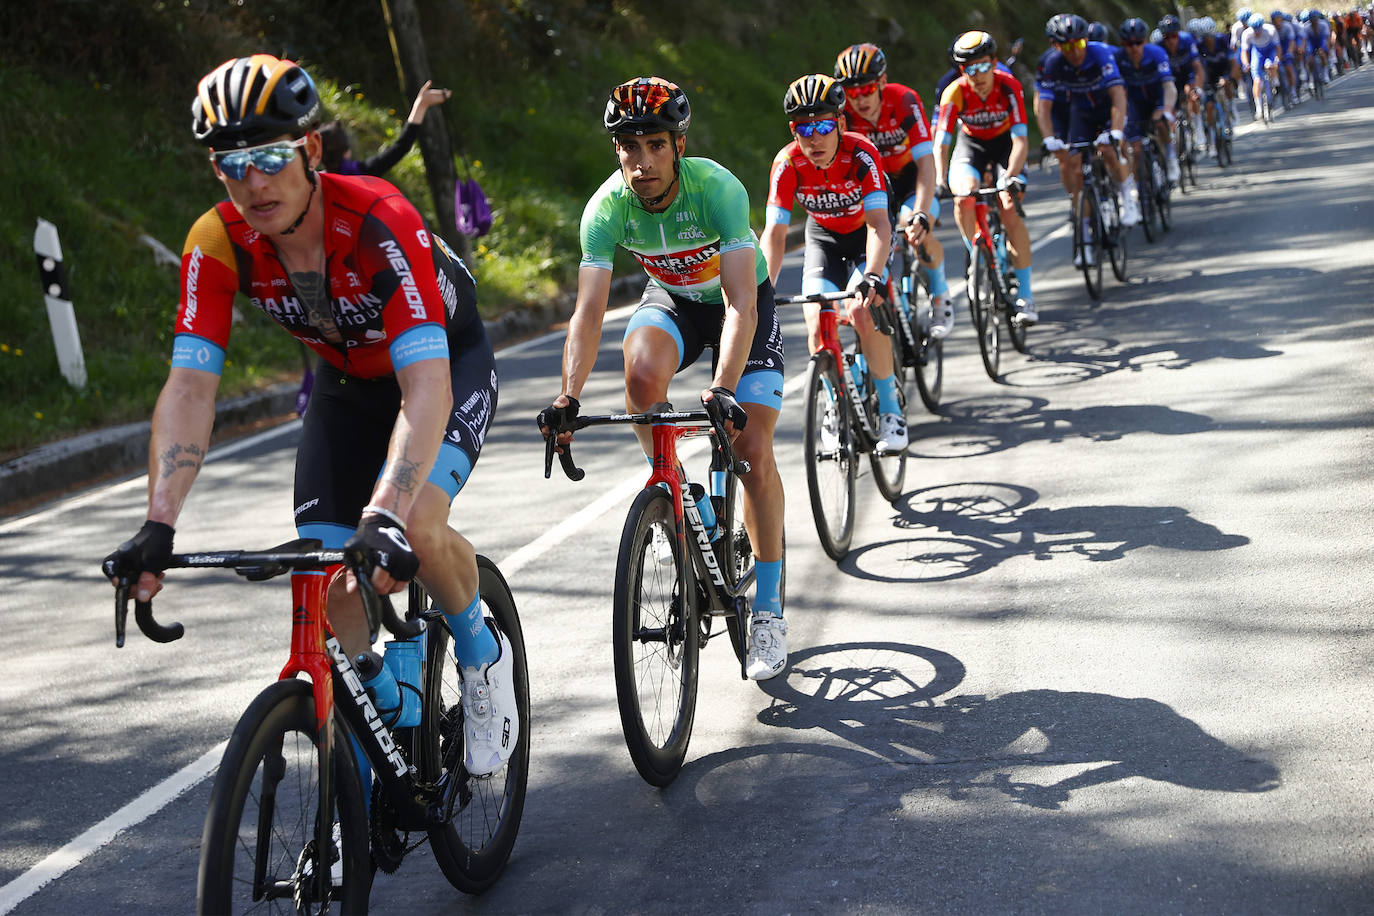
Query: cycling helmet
[
  {"x": 860, "y": 64},
  {"x": 1134, "y": 30},
  {"x": 1156, "y": 36},
  {"x": 1066, "y": 27},
  {"x": 1097, "y": 31},
  {"x": 1305, "y": 16},
  {"x": 1193, "y": 26},
  {"x": 971, "y": 46},
  {"x": 1276, "y": 14},
  {"x": 1169, "y": 25},
  {"x": 1209, "y": 24},
  {"x": 1256, "y": 21},
  {"x": 1243, "y": 14},
  {"x": 252, "y": 100},
  {"x": 647, "y": 105},
  {"x": 811, "y": 95}
]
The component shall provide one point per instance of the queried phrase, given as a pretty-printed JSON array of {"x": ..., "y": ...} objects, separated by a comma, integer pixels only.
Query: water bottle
[
  {"x": 404, "y": 658},
  {"x": 380, "y": 684},
  {"x": 706, "y": 508}
]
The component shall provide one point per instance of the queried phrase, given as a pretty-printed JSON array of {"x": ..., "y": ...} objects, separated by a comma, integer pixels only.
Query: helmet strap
[{"x": 314, "y": 183}]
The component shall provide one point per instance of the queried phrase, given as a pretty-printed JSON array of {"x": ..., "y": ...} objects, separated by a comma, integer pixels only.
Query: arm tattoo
[
  {"x": 405, "y": 475},
  {"x": 313, "y": 291},
  {"x": 177, "y": 457}
]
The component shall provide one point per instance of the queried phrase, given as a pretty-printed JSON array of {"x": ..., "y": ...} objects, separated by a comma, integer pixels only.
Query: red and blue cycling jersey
[
  {"x": 836, "y": 197},
  {"x": 387, "y": 305},
  {"x": 901, "y": 132},
  {"x": 1088, "y": 85},
  {"x": 1004, "y": 109}
]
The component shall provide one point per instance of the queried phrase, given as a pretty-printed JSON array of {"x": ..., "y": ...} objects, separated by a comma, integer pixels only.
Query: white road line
[{"x": 145, "y": 806}]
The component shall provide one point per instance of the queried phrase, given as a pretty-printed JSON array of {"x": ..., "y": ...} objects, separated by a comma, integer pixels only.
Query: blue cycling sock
[
  {"x": 473, "y": 643},
  {"x": 935, "y": 276},
  {"x": 768, "y": 587},
  {"x": 1023, "y": 282},
  {"x": 887, "y": 394}
]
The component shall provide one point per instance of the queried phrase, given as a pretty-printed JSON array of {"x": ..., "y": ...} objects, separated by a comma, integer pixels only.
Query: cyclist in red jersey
[
  {"x": 407, "y": 388},
  {"x": 989, "y": 108},
  {"x": 838, "y": 179},
  {"x": 892, "y": 117}
]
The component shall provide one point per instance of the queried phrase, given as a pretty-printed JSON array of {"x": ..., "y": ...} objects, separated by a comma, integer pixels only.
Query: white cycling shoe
[
  {"x": 491, "y": 714},
  {"x": 767, "y": 647},
  {"x": 1130, "y": 209},
  {"x": 941, "y": 316},
  {"x": 891, "y": 433}
]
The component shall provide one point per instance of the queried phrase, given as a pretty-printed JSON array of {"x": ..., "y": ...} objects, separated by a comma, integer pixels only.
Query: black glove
[
  {"x": 148, "y": 551},
  {"x": 555, "y": 418},
  {"x": 729, "y": 407},
  {"x": 383, "y": 542},
  {"x": 875, "y": 283},
  {"x": 923, "y": 218}
]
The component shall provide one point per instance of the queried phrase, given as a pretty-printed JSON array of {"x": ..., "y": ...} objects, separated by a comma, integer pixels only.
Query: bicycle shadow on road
[
  {"x": 984, "y": 425},
  {"x": 882, "y": 700},
  {"x": 963, "y": 529}
]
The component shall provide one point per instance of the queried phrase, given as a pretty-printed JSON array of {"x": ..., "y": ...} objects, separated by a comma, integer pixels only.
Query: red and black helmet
[
  {"x": 971, "y": 46},
  {"x": 252, "y": 100},
  {"x": 860, "y": 64},
  {"x": 811, "y": 95},
  {"x": 647, "y": 105}
]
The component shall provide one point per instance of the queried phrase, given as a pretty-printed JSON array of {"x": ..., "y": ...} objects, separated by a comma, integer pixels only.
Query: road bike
[
  {"x": 1187, "y": 153},
  {"x": 1318, "y": 76},
  {"x": 1220, "y": 129},
  {"x": 673, "y": 579},
  {"x": 291, "y": 824},
  {"x": 841, "y": 420},
  {"x": 991, "y": 286},
  {"x": 1097, "y": 220},
  {"x": 1153, "y": 182},
  {"x": 909, "y": 289}
]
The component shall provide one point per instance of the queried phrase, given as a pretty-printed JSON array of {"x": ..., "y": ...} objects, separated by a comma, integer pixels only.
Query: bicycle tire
[
  {"x": 275, "y": 749},
  {"x": 737, "y": 552},
  {"x": 1144, "y": 180},
  {"x": 984, "y": 305},
  {"x": 655, "y": 640},
  {"x": 926, "y": 354},
  {"x": 1088, "y": 213},
  {"x": 475, "y": 841},
  {"x": 831, "y": 471},
  {"x": 1117, "y": 243},
  {"x": 889, "y": 469}
]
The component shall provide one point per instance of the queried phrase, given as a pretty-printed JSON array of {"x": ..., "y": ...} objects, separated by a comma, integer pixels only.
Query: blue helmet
[
  {"x": 1256, "y": 21},
  {"x": 1244, "y": 14},
  {"x": 1134, "y": 30}
]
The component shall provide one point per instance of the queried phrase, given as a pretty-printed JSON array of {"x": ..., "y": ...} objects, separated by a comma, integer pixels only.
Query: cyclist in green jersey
[{"x": 687, "y": 222}]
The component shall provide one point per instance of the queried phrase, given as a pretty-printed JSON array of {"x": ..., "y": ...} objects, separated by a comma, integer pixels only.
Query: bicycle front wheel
[
  {"x": 984, "y": 305},
  {"x": 1116, "y": 236},
  {"x": 277, "y": 835},
  {"x": 929, "y": 353},
  {"x": 828, "y": 450},
  {"x": 1145, "y": 181},
  {"x": 656, "y": 640},
  {"x": 889, "y": 468},
  {"x": 481, "y": 814},
  {"x": 1088, "y": 233}
]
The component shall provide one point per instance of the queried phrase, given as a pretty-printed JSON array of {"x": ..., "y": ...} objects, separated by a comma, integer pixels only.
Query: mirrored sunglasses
[
  {"x": 975, "y": 69},
  {"x": 269, "y": 158},
  {"x": 856, "y": 92},
  {"x": 807, "y": 128}
]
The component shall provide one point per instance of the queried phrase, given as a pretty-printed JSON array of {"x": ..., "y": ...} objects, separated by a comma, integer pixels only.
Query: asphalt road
[{"x": 1109, "y": 652}]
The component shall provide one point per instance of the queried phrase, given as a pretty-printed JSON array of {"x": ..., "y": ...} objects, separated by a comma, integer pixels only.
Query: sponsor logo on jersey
[
  {"x": 829, "y": 201},
  {"x": 682, "y": 263},
  {"x": 341, "y": 227},
  {"x": 691, "y": 234},
  {"x": 192, "y": 281},
  {"x": 397, "y": 259}
]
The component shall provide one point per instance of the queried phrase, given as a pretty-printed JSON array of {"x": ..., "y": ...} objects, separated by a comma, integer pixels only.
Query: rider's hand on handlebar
[
  {"x": 382, "y": 538},
  {"x": 562, "y": 411},
  {"x": 1013, "y": 183},
  {"x": 1055, "y": 145},
  {"x": 918, "y": 228},
  {"x": 143, "y": 557},
  {"x": 730, "y": 410}
]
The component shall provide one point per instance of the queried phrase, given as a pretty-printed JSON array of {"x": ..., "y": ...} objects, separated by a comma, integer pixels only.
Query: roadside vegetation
[{"x": 94, "y": 125}]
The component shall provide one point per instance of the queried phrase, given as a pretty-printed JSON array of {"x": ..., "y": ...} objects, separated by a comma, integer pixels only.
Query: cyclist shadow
[
  {"x": 984, "y": 425},
  {"x": 1070, "y": 358},
  {"x": 883, "y": 701},
  {"x": 968, "y": 528}
]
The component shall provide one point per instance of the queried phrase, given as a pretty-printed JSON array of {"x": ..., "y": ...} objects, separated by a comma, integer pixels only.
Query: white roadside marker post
[{"x": 61, "y": 316}]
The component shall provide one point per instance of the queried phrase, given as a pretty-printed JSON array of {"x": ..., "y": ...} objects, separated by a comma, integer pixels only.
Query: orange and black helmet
[
  {"x": 252, "y": 100},
  {"x": 971, "y": 46},
  {"x": 647, "y": 105},
  {"x": 811, "y": 95},
  {"x": 860, "y": 64}
]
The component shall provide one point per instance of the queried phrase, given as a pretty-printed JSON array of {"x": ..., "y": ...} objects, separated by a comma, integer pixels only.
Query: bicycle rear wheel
[
  {"x": 1115, "y": 234},
  {"x": 983, "y": 302},
  {"x": 656, "y": 639},
  {"x": 828, "y": 451},
  {"x": 1087, "y": 229},
  {"x": 1144, "y": 180},
  {"x": 737, "y": 553},
  {"x": 928, "y": 353},
  {"x": 271, "y": 813},
  {"x": 482, "y": 814},
  {"x": 889, "y": 468}
]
